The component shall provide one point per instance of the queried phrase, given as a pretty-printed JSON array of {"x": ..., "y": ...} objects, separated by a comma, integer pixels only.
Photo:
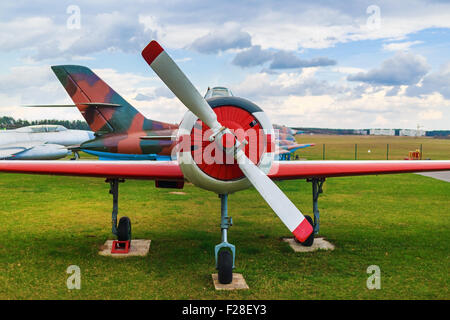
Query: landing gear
[
  {"x": 76, "y": 156},
  {"x": 225, "y": 252},
  {"x": 225, "y": 266},
  {"x": 317, "y": 184},
  {"x": 123, "y": 230}
]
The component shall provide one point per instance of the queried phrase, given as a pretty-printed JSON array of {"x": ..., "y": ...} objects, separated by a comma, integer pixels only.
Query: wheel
[
  {"x": 225, "y": 266},
  {"x": 310, "y": 240},
  {"x": 124, "y": 229}
]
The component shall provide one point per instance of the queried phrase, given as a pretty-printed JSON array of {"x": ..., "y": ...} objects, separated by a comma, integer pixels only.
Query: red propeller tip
[
  {"x": 152, "y": 51},
  {"x": 303, "y": 231}
]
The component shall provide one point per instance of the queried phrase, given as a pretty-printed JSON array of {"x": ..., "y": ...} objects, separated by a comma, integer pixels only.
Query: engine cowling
[{"x": 205, "y": 164}]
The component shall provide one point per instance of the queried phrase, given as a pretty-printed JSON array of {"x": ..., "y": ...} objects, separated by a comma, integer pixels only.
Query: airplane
[
  {"x": 221, "y": 127},
  {"x": 285, "y": 137},
  {"x": 121, "y": 131},
  {"x": 40, "y": 142}
]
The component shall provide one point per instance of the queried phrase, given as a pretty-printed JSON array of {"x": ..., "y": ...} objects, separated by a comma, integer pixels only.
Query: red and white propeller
[{"x": 180, "y": 85}]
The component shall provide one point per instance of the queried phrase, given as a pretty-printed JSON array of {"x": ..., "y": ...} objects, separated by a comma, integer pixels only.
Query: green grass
[{"x": 398, "y": 222}]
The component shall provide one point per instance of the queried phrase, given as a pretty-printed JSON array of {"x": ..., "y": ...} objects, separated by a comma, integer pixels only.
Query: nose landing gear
[{"x": 225, "y": 252}]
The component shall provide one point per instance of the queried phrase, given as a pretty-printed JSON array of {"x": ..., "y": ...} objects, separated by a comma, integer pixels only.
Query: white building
[
  {"x": 412, "y": 133},
  {"x": 382, "y": 132}
]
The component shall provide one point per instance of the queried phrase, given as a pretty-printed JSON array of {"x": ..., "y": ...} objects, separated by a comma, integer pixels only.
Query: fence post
[
  {"x": 387, "y": 151},
  {"x": 323, "y": 152},
  {"x": 421, "y": 150},
  {"x": 356, "y": 151}
]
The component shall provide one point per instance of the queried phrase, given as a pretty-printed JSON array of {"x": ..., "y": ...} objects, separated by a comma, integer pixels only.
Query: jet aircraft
[
  {"x": 40, "y": 142},
  {"x": 214, "y": 129}
]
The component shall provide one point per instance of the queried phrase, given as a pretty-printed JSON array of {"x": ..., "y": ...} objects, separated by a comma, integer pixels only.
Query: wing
[
  {"x": 170, "y": 170},
  {"x": 297, "y": 146},
  {"x": 147, "y": 170},
  {"x": 286, "y": 170},
  {"x": 10, "y": 150}
]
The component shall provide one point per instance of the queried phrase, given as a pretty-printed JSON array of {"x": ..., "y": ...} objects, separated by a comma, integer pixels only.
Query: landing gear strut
[
  {"x": 317, "y": 184},
  {"x": 225, "y": 252},
  {"x": 123, "y": 230},
  {"x": 76, "y": 156}
]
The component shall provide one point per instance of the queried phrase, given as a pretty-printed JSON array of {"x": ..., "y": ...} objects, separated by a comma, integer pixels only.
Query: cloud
[
  {"x": 402, "y": 69},
  {"x": 400, "y": 46},
  {"x": 227, "y": 37},
  {"x": 255, "y": 56},
  {"x": 287, "y": 60},
  {"x": 438, "y": 81}
]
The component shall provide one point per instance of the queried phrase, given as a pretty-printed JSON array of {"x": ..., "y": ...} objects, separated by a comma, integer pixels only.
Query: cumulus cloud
[
  {"x": 255, "y": 56},
  {"x": 438, "y": 81},
  {"x": 288, "y": 60},
  {"x": 227, "y": 37},
  {"x": 400, "y": 46},
  {"x": 402, "y": 69}
]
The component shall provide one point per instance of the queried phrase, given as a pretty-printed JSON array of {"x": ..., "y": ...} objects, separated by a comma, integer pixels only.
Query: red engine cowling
[{"x": 205, "y": 164}]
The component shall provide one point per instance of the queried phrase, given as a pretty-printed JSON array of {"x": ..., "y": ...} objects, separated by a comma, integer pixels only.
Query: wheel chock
[{"x": 120, "y": 246}]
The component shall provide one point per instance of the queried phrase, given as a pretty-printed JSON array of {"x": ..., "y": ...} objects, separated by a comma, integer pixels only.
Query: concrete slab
[
  {"x": 319, "y": 244},
  {"x": 440, "y": 175},
  {"x": 238, "y": 282},
  {"x": 138, "y": 248}
]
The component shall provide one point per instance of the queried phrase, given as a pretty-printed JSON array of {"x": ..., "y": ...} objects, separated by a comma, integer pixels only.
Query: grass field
[{"x": 398, "y": 222}]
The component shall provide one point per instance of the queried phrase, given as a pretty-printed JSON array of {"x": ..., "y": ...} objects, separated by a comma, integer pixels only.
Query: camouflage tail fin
[{"x": 84, "y": 86}]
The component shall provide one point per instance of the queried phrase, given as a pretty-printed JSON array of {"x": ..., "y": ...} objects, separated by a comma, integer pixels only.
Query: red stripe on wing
[
  {"x": 147, "y": 170},
  {"x": 285, "y": 170}
]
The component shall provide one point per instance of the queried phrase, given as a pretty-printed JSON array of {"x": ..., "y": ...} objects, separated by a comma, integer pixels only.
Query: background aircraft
[
  {"x": 122, "y": 132},
  {"x": 286, "y": 141},
  {"x": 40, "y": 142},
  {"x": 215, "y": 117}
]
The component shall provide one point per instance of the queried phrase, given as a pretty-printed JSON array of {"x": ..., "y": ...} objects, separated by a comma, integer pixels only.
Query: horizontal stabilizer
[
  {"x": 93, "y": 104},
  {"x": 157, "y": 137}
]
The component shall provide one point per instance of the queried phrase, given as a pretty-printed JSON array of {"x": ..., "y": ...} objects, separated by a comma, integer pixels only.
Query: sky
[{"x": 331, "y": 64}]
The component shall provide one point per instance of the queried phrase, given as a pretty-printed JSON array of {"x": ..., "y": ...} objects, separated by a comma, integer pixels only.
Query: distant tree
[{"x": 11, "y": 123}]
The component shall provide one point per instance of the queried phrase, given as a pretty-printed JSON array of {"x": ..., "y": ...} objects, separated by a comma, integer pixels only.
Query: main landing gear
[
  {"x": 317, "y": 184},
  {"x": 123, "y": 230},
  {"x": 225, "y": 252}
]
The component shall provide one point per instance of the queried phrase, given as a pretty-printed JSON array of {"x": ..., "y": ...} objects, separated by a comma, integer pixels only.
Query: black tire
[
  {"x": 308, "y": 242},
  {"x": 225, "y": 266},
  {"x": 124, "y": 229}
]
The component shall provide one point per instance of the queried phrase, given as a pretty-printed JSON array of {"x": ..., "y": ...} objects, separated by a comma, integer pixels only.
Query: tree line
[{"x": 11, "y": 123}]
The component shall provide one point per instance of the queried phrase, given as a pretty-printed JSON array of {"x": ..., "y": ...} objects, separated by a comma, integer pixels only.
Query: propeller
[{"x": 185, "y": 91}]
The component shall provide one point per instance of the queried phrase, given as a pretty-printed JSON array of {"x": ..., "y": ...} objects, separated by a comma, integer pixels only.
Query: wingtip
[{"x": 152, "y": 51}]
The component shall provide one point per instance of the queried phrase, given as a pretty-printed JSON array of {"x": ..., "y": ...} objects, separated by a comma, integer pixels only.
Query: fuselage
[{"x": 42, "y": 142}]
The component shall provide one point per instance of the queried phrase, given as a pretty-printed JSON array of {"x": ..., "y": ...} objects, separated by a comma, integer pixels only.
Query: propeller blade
[
  {"x": 275, "y": 198},
  {"x": 179, "y": 84}
]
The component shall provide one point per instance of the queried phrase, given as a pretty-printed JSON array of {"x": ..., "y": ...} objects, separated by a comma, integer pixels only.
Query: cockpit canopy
[
  {"x": 218, "y": 92},
  {"x": 42, "y": 128}
]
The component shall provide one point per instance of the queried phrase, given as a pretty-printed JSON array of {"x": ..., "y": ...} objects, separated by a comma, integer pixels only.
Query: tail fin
[{"x": 84, "y": 86}]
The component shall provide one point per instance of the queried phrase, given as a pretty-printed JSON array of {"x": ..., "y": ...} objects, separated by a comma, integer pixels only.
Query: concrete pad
[
  {"x": 440, "y": 175},
  {"x": 138, "y": 248},
  {"x": 238, "y": 282},
  {"x": 319, "y": 244}
]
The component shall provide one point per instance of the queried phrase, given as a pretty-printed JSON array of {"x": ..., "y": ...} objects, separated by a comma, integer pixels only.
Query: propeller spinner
[{"x": 224, "y": 135}]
